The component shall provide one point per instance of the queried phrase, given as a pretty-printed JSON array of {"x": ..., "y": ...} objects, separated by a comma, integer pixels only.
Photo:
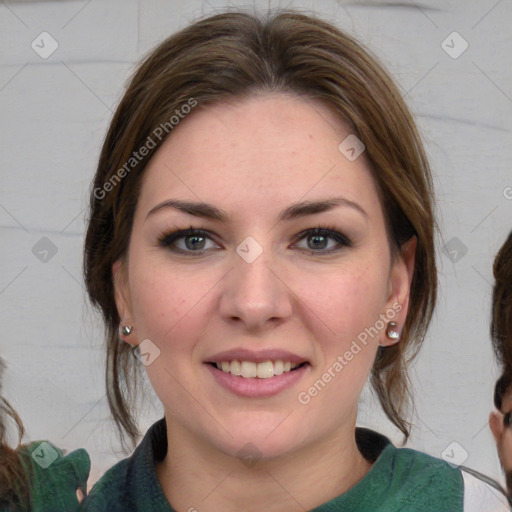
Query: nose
[{"x": 255, "y": 293}]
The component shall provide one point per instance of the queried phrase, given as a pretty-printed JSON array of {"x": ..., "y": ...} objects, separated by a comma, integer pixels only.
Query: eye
[
  {"x": 318, "y": 240},
  {"x": 186, "y": 240}
]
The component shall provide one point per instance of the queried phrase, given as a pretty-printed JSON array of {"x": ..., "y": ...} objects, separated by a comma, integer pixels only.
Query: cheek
[
  {"x": 343, "y": 310},
  {"x": 163, "y": 301},
  {"x": 177, "y": 304},
  {"x": 169, "y": 309},
  {"x": 346, "y": 302}
]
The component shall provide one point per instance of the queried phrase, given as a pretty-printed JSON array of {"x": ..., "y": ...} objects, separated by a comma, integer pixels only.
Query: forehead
[{"x": 257, "y": 153}]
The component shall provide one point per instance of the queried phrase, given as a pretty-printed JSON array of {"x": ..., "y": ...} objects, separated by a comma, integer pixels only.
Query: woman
[
  {"x": 261, "y": 231},
  {"x": 38, "y": 477}
]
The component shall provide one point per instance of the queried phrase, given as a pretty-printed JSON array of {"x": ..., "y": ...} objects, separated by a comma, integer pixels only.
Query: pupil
[
  {"x": 322, "y": 243},
  {"x": 191, "y": 242}
]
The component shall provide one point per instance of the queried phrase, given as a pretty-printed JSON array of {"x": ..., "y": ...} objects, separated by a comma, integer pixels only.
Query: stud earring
[
  {"x": 126, "y": 330},
  {"x": 392, "y": 332}
]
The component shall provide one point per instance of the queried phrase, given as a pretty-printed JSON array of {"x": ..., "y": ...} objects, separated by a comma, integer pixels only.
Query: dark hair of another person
[
  {"x": 501, "y": 388},
  {"x": 501, "y": 320}
]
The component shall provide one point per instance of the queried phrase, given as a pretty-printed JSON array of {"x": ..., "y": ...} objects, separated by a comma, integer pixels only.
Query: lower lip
[{"x": 255, "y": 387}]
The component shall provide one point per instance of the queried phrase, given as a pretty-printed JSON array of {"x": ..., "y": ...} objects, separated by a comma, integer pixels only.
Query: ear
[
  {"x": 496, "y": 426},
  {"x": 399, "y": 287},
  {"x": 123, "y": 299}
]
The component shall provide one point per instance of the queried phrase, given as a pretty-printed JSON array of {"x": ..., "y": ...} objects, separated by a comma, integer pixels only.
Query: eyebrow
[{"x": 296, "y": 210}]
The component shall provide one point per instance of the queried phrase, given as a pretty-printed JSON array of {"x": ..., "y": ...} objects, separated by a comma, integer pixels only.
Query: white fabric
[{"x": 479, "y": 496}]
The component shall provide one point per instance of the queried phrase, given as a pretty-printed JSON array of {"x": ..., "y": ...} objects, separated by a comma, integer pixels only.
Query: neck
[{"x": 194, "y": 476}]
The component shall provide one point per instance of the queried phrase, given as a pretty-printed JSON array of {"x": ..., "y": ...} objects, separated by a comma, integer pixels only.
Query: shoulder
[
  {"x": 482, "y": 493},
  {"x": 404, "y": 464},
  {"x": 403, "y": 479},
  {"x": 132, "y": 484},
  {"x": 115, "y": 490},
  {"x": 441, "y": 482},
  {"x": 425, "y": 472},
  {"x": 55, "y": 475},
  {"x": 409, "y": 478},
  {"x": 111, "y": 490}
]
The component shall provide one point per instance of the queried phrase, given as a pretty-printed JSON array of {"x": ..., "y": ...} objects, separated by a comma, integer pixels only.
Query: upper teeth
[{"x": 250, "y": 369}]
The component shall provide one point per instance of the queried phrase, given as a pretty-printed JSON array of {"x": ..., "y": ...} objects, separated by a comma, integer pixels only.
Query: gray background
[{"x": 55, "y": 112}]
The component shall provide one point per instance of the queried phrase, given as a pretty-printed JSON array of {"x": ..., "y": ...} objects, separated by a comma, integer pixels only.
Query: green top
[
  {"x": 54, "y": 477},
  {"x": 400, "y": 479}
]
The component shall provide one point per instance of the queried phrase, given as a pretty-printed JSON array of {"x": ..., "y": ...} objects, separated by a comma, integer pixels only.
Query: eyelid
[
  {"x": 176, "y": 234},
  {"x": 324, "y": 230},
  {"x": 320, "y": 230}
]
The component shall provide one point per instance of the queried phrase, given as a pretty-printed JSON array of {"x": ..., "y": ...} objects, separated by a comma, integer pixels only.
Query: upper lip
[{"x": 259, "y": 356}]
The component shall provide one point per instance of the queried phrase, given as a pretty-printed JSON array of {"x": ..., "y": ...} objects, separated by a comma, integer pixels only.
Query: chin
[
  {"x": 253, "y": 451},
  {"x": 258, "y": 442}
]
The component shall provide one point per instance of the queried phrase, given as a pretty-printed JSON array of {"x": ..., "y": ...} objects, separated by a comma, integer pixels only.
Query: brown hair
[
  {"x": 14, "y": 488},
  {"x": 501, "y": 320},
  {"x": 233, "y": 56}
]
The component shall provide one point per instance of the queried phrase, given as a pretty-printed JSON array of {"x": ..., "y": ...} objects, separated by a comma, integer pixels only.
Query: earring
[
  {"x": 392, "y": 332},
  {"x": 126, "y": 330}
]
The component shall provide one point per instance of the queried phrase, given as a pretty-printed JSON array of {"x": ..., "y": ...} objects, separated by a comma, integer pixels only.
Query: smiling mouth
[{"x": 251, "y": 369}]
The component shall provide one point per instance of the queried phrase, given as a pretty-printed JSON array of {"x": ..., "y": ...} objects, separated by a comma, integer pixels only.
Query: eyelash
[{"x": 166, "y": 239}]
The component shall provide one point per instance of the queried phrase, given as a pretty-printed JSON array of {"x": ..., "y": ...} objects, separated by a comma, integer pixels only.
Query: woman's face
[{"x": 255, "y": 290}]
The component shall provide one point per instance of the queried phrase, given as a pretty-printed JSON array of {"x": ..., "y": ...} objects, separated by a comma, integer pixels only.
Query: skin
[
  {"x": 503, "y": 437},
  {"x": 253, "y": 159}
]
